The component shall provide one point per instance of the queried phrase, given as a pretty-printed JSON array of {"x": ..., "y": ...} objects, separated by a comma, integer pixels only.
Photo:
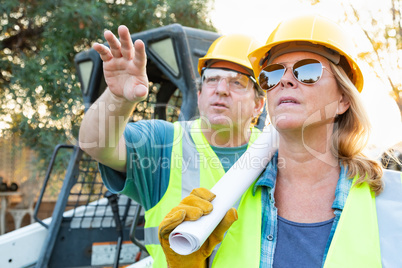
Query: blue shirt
[
  {"x": 229, "y": 155},
  {"x": 149, "y": 148},
  {"x": 301, "y": 245},
  {"x": 269, "y": 228}
]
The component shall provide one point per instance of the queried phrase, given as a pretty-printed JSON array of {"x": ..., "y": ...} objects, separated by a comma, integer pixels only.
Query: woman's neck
[
  {"x": 301, "y": 166},
  {"x": 309, "y": 146},
  {"x": 307, "y": 178}
]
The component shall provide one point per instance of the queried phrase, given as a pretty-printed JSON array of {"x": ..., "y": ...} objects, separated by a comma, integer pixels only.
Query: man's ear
[
  {"x": 259, "y": 106},
  {"x": 198, "y": 96}
]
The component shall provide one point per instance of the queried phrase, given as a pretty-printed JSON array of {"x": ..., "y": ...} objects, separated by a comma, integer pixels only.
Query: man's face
[{"x": 228, "y": 99}]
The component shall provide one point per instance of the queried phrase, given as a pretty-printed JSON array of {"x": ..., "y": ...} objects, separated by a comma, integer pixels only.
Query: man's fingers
[
  {"x": 196, "y": 202},
  {"x": 191, "y": 213},
  {"x": 123, "y": 48},
  {"x": 227, "y": 221},
  {"x": 217, "y": 235},
  {"x": 104, "y": 51},
  {"x": 170, "y": 222},
  {"x": 140, "y": 57},
  {"x": 203, "y": 193},
  {"x": 136, "y": 93},
  {"x": 127, "y": 48},
  {"x": 114, "y": 44}
]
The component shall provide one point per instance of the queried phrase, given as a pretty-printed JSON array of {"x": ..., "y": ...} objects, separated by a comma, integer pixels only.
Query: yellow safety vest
[
  {"x": 369, "y": 232},
  {"x": 193, "y": 164},
  {"x": 368, "y": 235}
]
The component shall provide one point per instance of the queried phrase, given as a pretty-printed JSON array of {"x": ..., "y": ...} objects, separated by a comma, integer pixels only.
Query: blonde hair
[{"x": 351, "y": 133}]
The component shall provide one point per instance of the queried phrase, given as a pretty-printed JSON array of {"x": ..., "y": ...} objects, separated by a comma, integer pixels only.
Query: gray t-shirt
[{"x": 301, "y": 245}]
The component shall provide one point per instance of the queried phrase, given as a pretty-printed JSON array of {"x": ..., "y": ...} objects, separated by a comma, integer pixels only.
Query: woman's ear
[{"x": 344, "y": 104}]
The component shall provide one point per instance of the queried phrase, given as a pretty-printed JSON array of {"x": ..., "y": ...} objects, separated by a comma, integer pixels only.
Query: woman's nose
[{"x": 288, "y": 80}]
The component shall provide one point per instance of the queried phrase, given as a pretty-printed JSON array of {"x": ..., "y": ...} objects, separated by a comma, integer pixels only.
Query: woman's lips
[{"x": 287, "y": 100}]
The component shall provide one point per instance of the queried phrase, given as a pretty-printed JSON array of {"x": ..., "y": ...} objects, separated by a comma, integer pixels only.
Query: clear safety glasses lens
[
  {"x": 307, "y": 71},
  {"x": 236, "y": 82}
]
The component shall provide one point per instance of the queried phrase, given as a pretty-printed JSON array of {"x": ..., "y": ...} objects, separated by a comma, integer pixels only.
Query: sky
[{"x": 258, "y": 18}]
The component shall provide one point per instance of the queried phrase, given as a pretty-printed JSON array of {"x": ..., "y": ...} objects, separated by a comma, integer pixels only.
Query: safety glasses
[
  {"x": 306, "y": 71},
  {"x": 236, "y": 82}
]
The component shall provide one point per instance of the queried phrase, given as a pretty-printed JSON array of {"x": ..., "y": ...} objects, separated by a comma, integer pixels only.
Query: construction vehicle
[{"x": 90, "y": 227}]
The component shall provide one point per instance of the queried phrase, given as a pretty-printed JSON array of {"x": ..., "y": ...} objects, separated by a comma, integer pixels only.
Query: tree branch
[
  {"x": 375, "y": 51},
  {"x": 18, "y": 41}
]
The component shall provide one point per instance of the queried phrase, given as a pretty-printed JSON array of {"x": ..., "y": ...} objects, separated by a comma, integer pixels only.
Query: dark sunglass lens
[
  {"x": 270, "y": 76},
  {"x": 307, "y": 71}
]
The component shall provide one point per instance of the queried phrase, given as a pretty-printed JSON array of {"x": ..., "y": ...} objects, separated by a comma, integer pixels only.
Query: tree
[
  {"x": 384, "y": 31},
  {"x": 39, "y": 90}
]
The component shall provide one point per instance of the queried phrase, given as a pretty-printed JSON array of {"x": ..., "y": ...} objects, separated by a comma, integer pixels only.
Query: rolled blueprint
[{"x": 189, "y": 236}]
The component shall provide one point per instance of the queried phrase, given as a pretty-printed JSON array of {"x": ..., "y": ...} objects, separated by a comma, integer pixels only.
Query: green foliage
[{"x": 40, "y": 98}]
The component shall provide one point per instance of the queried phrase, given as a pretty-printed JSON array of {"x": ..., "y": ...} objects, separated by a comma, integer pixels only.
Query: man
[{"x": 154, "y": 159}]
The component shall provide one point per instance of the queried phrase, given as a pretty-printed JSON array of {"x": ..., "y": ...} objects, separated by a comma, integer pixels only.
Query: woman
[{"x": 322, "y": 202}]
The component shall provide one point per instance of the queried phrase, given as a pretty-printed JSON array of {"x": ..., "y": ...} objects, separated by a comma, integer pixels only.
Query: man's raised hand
[{"x": 124, "y": 65}]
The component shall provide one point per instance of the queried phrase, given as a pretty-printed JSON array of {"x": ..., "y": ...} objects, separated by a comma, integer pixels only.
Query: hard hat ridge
[{"x": 231, "y": 48}]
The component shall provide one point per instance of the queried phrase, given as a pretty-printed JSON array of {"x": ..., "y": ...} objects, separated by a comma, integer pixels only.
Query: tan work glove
[{"x": 191, "y": 208}]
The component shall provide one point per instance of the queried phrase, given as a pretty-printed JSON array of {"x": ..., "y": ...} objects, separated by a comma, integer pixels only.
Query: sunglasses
[{"x": 306, "y": 71}]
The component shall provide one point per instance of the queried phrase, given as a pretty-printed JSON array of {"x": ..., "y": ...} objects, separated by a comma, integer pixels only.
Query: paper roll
[{"x": 189, "y": 236}]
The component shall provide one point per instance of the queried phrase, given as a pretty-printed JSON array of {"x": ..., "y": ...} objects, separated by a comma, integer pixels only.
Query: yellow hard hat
[
  {"x": 317, "y": 30},
  {"x": 232, "y": 48}
]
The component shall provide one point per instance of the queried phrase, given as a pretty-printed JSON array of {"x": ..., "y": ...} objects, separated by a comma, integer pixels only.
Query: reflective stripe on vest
[
  {"x": 193, "y": 164},
  {"x": 369, "y": 230},
  {"x": 155, "y": 215},
  {"x": 389, "y": 212}
]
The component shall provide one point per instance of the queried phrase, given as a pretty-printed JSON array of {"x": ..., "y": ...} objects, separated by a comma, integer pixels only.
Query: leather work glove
[{"x": 191, "y": 208}]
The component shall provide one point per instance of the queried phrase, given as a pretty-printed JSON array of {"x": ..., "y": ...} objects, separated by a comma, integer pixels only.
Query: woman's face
[{"x": 293, "y": 105}]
